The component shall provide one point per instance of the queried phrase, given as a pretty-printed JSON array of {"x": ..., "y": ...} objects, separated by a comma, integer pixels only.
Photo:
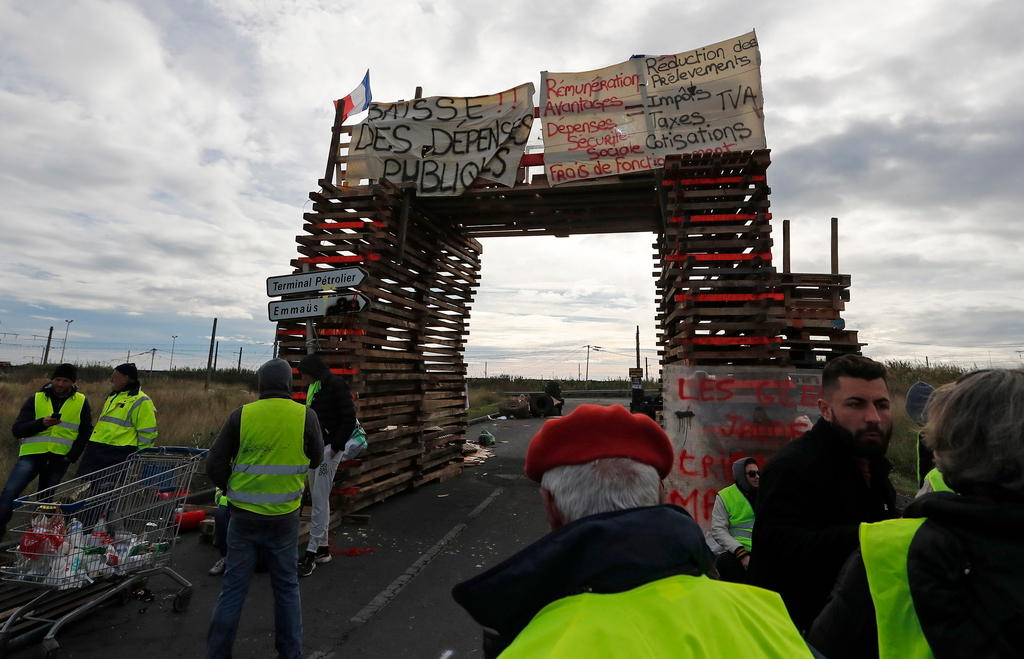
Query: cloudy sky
[{"x": 156, "y": 157}]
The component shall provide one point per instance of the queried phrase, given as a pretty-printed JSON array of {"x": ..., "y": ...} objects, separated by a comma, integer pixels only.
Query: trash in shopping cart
[{"x": 116, "y": 523}]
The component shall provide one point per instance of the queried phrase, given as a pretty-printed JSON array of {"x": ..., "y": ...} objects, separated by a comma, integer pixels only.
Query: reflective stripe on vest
[
  {"x": 126, "y": 420},
  {"x": 56, "y": 439},
  {"x": 680, "y": 616},
  {"x": 938, "y": 483},
  {"x": 270, "y": 468},
  {"x": 311, "y": 392},
  {"x": 741, "y": 515},
  {"x": 885, "y": 546}
]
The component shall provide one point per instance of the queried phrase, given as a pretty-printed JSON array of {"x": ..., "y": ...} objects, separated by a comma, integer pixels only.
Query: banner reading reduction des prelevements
[
  {"x": 628, "y": 117},
  {"x": 443, "y": 143}
]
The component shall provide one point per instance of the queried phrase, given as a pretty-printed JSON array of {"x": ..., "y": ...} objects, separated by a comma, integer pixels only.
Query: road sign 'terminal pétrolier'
[{"x": 315, "y": 281}]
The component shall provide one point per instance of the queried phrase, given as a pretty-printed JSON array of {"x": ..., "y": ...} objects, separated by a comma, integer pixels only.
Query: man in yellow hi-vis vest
[
  {"x": 126, "y": 423},
  {"x": 732, "y": 520},
  {"x": 52, "y": 429},
  {"x": 620, "y": 574},
  {"x": 260, "y": 459}
]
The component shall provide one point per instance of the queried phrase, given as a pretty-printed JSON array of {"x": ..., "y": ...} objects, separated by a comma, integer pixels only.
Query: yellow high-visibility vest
[
  {"x": 884, "y": 547},
  {"x": 59, "y": 438},
  {"x": 126, "y": 420},
  {"x": 741, "y": 515},
  {"x": 679, "y": 616},
  {"x": 270, "y": 469}
]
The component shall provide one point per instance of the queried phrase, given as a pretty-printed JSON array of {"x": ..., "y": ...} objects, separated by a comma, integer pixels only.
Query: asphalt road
[{"x": 391, "y": 602}]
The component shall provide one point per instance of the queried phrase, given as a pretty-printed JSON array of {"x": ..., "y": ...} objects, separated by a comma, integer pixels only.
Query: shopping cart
[{"x": 117, "y": 524}]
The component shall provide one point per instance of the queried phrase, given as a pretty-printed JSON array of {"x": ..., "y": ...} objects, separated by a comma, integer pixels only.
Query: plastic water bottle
[
  {"x": 101, "y": 525},
  {"x": 75, "y": 538}
]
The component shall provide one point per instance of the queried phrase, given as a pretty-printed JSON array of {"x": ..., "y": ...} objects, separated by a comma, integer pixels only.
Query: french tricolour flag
[{"x": 357, "y": 100}]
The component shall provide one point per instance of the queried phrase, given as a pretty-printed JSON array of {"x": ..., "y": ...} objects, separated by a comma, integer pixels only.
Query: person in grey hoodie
[
  {"x": 732, "y": 520},
  {"x": 260, "y": 459}
]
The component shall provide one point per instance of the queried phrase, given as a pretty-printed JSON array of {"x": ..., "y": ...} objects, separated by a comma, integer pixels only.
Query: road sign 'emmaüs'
[{"x": 325, "y": 305}]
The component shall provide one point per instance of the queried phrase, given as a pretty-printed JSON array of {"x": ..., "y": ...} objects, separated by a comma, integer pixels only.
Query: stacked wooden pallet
[
  {"x": 815, "y": 329},
  {"x": 721, "y": 301},
  {"x": 719, "y": 296},
  {"x": 403, "y": 355}
]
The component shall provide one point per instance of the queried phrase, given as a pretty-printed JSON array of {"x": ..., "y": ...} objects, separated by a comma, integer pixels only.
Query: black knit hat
[
  {"x": 129, "y": 370},
  {"x": 65, "y": 371},
  {"x": 313, "y": 365}
]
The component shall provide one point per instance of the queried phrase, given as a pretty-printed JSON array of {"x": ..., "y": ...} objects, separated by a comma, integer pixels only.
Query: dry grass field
[{"x": 187, "y": 415}]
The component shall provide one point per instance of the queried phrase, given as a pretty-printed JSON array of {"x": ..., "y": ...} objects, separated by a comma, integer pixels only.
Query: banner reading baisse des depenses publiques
[
  {"x": 443, "y": 143},
  {"x": 628, "y": 117}
]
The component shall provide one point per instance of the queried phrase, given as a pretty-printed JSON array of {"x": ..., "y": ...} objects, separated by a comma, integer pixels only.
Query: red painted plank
[
  {"x": 724, "y": 217},
  {"x": 719, "y": 257},
  {"x": 340, "y": 225},
  {"x": 714, "y": 181},
  {"x": 729, "y": 297},
  {"x": 730, "y": 340}
]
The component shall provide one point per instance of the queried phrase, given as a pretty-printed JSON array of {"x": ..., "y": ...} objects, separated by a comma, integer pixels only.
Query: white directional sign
[
  {"x": 313, "y": 307},
  {"x": 319, "y": 280}
]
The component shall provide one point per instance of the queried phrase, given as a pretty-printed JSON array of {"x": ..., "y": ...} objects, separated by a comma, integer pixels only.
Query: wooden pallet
[{"x": 721, "y": 300}]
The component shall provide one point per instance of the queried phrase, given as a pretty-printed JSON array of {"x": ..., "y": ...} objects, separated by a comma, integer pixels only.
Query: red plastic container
[{"x": 189, "y": 520}]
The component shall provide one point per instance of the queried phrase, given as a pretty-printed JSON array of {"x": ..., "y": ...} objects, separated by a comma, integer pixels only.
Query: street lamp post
[
  {"x": 67, "y": 325},
  {"x": 171, "y": 365}
]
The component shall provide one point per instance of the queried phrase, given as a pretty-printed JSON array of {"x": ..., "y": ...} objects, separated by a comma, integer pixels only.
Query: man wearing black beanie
[
  {"x": 126, "y": 424},
  {"x": 52, "y": 429}
]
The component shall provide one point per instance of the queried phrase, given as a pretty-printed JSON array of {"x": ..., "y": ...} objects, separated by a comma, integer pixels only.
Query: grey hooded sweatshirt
[
  {"x": 275, "y": 381},
  {"x": 720, "y": 516}
]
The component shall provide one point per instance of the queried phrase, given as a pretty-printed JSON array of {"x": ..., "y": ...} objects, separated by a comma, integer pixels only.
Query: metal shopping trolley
[{"x": 115, "y": 525}]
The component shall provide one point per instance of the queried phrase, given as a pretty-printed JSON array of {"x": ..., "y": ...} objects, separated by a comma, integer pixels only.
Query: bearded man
[{"x": 818, "y": 489}]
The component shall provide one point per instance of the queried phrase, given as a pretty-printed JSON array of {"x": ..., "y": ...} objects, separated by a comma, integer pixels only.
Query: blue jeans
[
  {"x": 48, "y": 466},
  {"x": 277, "y": 538}
]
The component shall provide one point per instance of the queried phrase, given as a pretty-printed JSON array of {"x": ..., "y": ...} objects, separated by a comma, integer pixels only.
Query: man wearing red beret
[{"x": 621, "y": 571}]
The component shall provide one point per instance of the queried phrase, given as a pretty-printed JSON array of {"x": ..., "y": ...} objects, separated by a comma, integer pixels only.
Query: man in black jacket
[
  {"x": 328, "y": 395},
  {"x": 817, "y": 490},
  {"x": 52, "y": 429}
]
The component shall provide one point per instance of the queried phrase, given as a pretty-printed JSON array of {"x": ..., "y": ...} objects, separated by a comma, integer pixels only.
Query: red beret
[{"x": 591, "y": 432}]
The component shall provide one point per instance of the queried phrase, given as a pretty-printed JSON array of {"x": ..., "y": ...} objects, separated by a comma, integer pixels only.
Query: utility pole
[
  {"x": 638, "y": 346},
  {"x": 128, "y": 355},
  {"x": 152, "y": 357},
  {"x": 209, "y": 359},
  {"x": 174, "y": 338},
  {"x": 485, "y": 370},
  {"x": 926, "y": 364},
  {"x": 239, "y": 359},
  {"x": 216, "y": 356},
  {"x": 586, "y": 385},
  {"x": 67, "y": 324},
  {"x": 647, "y": 370},
  {"x": 46, "y": 350}
]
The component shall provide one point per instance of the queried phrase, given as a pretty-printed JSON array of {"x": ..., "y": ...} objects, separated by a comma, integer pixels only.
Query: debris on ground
[{"x": 473, "y": 454}]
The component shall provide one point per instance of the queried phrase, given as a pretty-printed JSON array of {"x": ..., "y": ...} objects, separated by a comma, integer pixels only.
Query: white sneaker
[{"x": 217, "y": 569}]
